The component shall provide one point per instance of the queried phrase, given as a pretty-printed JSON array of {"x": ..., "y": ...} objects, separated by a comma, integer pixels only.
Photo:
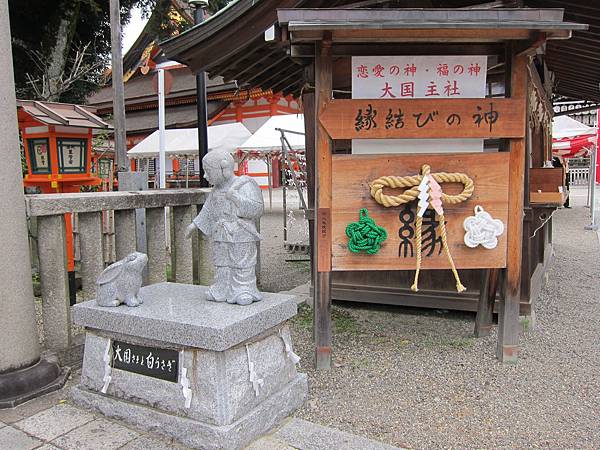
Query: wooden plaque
[
  {"x": 351, "y": 177},
  {"x": 425, "y": 118}
]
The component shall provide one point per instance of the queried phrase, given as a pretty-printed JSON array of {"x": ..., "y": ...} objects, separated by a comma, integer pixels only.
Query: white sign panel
[{"x": 406, "y": 77}]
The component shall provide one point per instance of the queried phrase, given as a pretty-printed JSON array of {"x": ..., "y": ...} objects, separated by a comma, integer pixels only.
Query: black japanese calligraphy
[
  {"x": 365, "y": 121},
  {"x": 395, "y": 120}
]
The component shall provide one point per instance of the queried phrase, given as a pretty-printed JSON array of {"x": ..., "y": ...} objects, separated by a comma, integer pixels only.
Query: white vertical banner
[{"x": 409, "y": 77}]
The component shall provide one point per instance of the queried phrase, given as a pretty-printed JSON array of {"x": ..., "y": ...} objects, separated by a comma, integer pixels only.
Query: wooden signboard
[
  {"x": 350, "y": 189},
  {"x": 424, "y": 118}
]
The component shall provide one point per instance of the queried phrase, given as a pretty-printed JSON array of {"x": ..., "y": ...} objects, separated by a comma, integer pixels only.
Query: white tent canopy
[
  {"x": 566, "y": 127},
  {"x": 184, "y": 141},
  {"x": 268, "y": 139}
]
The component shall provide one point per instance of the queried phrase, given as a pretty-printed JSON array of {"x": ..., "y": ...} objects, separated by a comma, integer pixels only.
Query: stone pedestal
[{"x": 211, "y": 375}]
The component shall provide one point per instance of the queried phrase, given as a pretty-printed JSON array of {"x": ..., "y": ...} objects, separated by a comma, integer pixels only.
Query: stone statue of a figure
[{"x": 228, "y": 220}]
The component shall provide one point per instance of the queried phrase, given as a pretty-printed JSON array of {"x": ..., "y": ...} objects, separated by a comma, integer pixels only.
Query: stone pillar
[{"x": 22, "y": 374}]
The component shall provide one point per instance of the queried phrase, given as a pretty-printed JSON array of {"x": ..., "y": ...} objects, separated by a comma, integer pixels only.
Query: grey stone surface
[
  {"x": 182, "y": 261},
  {"x": 269, "y": 443},
  {"x": 53, "y": 422},
  {"x": 19, "y": 345},
  {"x": 54, "y": 204},
  {"x": 220, "y": 381},
  {"x": 95, "y": 435},
  {"x": 125, "y": 233},
  {"x": 121, "y": 282},
  {"x": 47, "y": 447},
  {"x": 178, "y": 313},
  {"x": 92, "y": 258},
  {"x": 157, "y": 247},
  {"x": 151, "y": 443},
  {"x": 197, "y": 434},
  {"x": 228, "y": 219},
  {"x": 56, "y": 310},
  {"x": 13, "y": 439},
  {"x": 304, "y": 435}
]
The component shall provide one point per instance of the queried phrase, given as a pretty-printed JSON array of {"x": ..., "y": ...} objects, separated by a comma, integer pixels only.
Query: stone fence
[{"x": 50, "y": 210}]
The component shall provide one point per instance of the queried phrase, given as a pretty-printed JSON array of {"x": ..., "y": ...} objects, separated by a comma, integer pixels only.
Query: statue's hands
[
  {"x": 189, "y": 231},
  {"x": 232, "y": 194}
]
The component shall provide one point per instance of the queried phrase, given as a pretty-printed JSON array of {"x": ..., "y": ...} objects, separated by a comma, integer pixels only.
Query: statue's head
[{"x": 218, "y": 167}]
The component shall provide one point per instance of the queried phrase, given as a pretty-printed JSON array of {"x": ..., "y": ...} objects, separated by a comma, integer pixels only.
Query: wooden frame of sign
[{"x": 499, "y": 184}]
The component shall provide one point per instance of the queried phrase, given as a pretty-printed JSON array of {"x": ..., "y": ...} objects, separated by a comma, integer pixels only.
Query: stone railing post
[
  {"x": 56, "y": 308},
  {"x": 181, "y": 247},
  {"x": 92, "y": 259},
  {"x": 157, "y": 251},
  {"x": 125, "y": 232}
]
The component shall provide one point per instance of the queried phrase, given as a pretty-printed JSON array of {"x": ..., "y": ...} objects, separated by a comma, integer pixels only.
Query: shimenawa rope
[{"x": 412, "y": 182}]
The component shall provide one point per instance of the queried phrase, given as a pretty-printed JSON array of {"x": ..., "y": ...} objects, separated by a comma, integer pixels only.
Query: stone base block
[
  {"x": 211, "y": 375},
  {"x": 196, "y": 434}
]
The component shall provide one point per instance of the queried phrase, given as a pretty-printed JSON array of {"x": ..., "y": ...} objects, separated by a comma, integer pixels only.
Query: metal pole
[
  {"x": 592, "y": 181},
  {"x": 161, "y": 129},
  {"x": 201, "y": 108},
  {"x": 118, "y": 88}
]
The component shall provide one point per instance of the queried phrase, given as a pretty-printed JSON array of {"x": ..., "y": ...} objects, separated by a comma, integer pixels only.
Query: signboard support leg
[
  {"x": 322, "y": 311},
  {"x": 508, "y": 318}
]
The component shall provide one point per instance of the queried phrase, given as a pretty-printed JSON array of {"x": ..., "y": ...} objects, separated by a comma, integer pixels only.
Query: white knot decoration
[
  {"x": 482, "y": 229},
  {"x": 107, "y": 368},
  {"x": 185, "y": 386},
  {"x": 288, "y": 347},
  {"x": 256, "y": 381}
]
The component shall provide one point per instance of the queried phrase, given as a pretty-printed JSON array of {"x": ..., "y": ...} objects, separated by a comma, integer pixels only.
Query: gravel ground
[
  {"x": 416, "y": 378},
  {"x": 277, "y": 274}
]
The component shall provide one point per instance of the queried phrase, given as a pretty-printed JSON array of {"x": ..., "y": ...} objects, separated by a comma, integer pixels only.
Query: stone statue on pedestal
[{"x": 228, "y": 219}]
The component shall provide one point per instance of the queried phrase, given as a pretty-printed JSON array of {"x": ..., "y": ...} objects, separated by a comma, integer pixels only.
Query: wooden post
[
  {"x": 118, "y": 88},
  {"x": 508, "y": 319},
  {"x": 487, "y": 298},
  {"x": 322, "y": 310},
  {"x": 308, "y": 102}
]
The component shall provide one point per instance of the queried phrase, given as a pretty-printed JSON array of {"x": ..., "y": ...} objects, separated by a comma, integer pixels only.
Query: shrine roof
[
  {"x": 66, "y": 114},
  {"x": 549, "y": 20},
  {"x": 232, "y": 44}
]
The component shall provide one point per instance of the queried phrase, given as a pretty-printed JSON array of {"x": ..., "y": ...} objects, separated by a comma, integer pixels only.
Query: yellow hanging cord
[{"x": 411, "y": 194}]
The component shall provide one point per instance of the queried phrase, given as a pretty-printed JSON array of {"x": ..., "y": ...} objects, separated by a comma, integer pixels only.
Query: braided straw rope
[{"x": 412, "y": 182}]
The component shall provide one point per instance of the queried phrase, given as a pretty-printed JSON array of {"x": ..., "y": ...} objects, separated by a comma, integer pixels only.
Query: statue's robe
[{"x": 232, "y": 229}]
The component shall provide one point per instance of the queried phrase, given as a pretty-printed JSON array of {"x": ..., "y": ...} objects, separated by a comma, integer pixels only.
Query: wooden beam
[
  {"x": 248, "y": 67},
  {"x": 508, "y": 322},
  {"x": 290, "y": 80},
  {"x": 322, "y": 310},
  {"x": 266, "y": 69},
  {"x": 390, "y": 49},
  {"x": 419, "y": 35}
]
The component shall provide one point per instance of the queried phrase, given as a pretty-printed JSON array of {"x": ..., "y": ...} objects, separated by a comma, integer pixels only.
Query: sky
[{"x": 133, "y": 29}]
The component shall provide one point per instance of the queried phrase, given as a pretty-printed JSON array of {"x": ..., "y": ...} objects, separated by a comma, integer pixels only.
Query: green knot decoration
[{"x": 365, "y": 235}]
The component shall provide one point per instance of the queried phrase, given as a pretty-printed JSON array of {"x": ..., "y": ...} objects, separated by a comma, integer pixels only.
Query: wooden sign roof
[{"x": 66, "y": 114}]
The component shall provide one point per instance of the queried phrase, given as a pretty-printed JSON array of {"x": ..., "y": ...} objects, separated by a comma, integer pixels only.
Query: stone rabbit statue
[{"x": 121, "y": 282}]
